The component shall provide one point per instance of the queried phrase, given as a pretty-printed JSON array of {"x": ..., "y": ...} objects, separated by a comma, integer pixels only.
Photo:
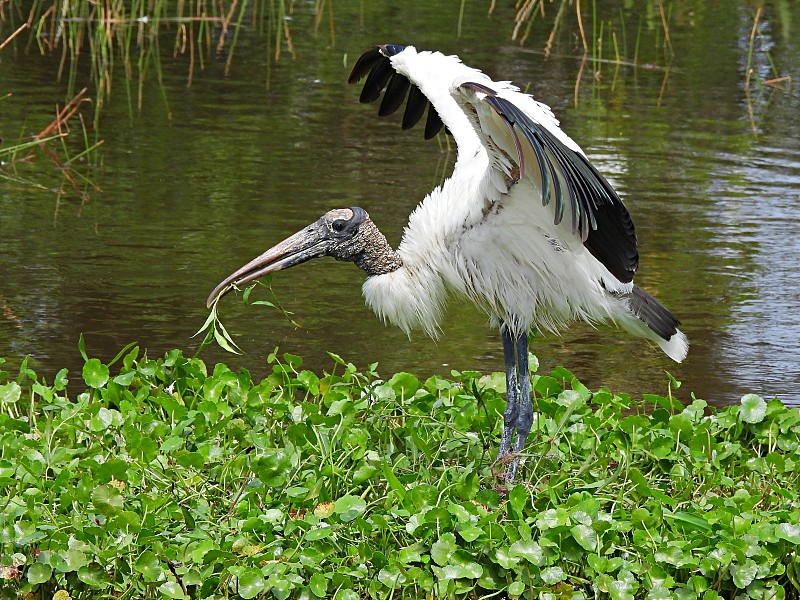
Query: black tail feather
[{"x": 652, "y": 313}]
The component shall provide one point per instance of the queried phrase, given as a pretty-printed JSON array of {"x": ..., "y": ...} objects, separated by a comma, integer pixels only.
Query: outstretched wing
[
  {"x": 566, "y": 176},
  {"x": 376, "y": 65},
  {"x": 511, "y": 123}
]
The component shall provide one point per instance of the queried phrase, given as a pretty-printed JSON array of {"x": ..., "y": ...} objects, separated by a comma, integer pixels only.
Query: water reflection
[{"x": 207, "y": 177}]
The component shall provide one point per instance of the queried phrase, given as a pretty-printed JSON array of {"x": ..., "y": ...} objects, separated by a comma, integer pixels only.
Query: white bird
[{"x": 525, "y": 227}]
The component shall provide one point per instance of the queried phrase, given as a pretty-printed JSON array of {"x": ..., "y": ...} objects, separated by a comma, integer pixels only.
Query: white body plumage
[{"x": 485, "y": 234}]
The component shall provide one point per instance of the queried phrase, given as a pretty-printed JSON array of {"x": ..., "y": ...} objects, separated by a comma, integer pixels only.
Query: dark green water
[{"x": 205, "y": 177}]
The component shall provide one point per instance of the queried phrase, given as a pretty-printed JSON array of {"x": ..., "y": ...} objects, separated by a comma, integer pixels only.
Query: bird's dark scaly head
[{"x": 340, "y": 233}]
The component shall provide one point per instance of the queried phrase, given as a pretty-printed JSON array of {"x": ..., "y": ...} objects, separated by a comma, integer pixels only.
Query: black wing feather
[
  {"x": 364, "y": 64},
  {"x": 415, "y": 107},
  {"x": 433, "y": 124},
  {"x": 395, "y": 94},
  {"x": 376, "y": 66},
  {"x": 376, "y": 80},
  {"x": 597, "y": 212}
]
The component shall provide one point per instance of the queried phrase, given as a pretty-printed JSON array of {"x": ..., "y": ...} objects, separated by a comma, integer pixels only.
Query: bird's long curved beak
[{"x": 304, "y": 245}]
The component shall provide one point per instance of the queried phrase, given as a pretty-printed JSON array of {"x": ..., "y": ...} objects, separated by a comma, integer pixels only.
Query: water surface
[{"x": 206, "y": 176}]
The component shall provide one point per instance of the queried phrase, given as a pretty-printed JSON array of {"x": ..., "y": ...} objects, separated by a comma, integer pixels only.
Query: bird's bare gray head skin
[{"x": 343, "y": 233}]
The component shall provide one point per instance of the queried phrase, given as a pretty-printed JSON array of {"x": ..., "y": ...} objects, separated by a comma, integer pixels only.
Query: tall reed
[{"x": 105, "y": 33}]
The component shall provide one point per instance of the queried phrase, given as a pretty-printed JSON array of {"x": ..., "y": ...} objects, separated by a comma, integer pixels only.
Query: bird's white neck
[
  {"x": 411, "y": 297},
  {"x": 414, "y": 295}
]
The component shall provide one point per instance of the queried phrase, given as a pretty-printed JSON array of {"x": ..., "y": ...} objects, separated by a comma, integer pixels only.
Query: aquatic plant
[
  {"x": 106, "y": 34},
  {"x": 58, "y": 145},
  {"x": 164, "y": 477}
]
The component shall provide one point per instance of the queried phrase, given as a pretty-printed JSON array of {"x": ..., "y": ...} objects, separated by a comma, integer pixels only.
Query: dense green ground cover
[{"x": 156, "y": 478}]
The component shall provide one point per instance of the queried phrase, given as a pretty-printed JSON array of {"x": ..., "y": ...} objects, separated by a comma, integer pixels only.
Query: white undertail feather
[
  {"x": 488, "y": 239},
  {"x": 677, "y": 347}
]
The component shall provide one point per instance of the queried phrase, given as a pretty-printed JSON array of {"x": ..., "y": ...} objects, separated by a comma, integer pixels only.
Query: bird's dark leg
[
  {"x": 512, "y": 391},
  {"x": 525, "y": 414},
  {"x": 518, "y": 415}
]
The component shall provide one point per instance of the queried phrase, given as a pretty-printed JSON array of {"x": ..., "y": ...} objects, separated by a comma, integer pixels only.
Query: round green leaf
[
  {"x": 318, "y": 585},
  {"x": 553, "y": 575},
  {"x": 516, "y": 588},
  {"x": 273, "y": 466},
  {"x": 107, "y": 499},
  {"x": 149, "y": 566},
  {"x": 505, "y": 558},
  {"x": 114, "y": 468},
  {"x": 519, "y": 497},
  {"x": 364, "y": 472},
  {"x": 744, "y": 575},
  {"x": 39, "y": 573},
  {"x": 410, "y": 554},
  {"x": 93, "y": 575},
  {"x": 529, "y": 550},
  {"x": 470, "y": 570},
  {"x": 443, "y": 548},
  {"x": 60, "y": 381},
  {"x": 318, "y": 534},
  {"x": 102, "y": 420},
  {"x": 172, "y": 589},
  {"x": 125, "y": 379},
  {"x": 251, "y": 583},
  {"x": 788, "y": 532},
  {"x": 621, "y": 589},
  {"x": 54, "y": 560},
  {"x": 471, "y": 533},
  {"x": 10, "y": 393},
  {"x": 585, "y": 536},
  {"x": 659, "y": 592},
  {"x": 753, "y": 409},
  {"x": 95, "y": 373},
  {"x": 75, "y": 559},
  {"x": 391, "y": 576},
  {"x": 459, "y": 571},
  {"x": 349, "y": 507},
  {"x": 171, "y": 443}
]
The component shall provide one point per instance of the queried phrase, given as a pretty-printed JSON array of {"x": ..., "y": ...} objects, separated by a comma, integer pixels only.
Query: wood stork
[{"x": 525, "y": 227}]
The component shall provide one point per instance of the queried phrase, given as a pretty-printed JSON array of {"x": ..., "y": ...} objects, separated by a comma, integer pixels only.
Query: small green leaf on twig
[
  {"x": 214, "y": 329},
  {"x": 216, "y": 332},
  {"x": 275, "y": 303}
]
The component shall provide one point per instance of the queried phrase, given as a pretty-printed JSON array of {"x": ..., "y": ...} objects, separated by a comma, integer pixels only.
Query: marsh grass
[
  {"x": 603, "y": 31},
  {"x": 103, "y": 34},
  {"x": 99, "y": 39},
  {"x": 110, "y": 33},
  {"x": 65, "y": 143},
  {"x": 608, "y": 43},
  {"x": 167, "y": 478},
  {"x": 764, "y": 86}
]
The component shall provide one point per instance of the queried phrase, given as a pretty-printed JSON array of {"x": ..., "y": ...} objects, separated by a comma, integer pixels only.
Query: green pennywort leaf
[
  {"x": 752, "y": 409},
  {"x": 443, "y": 549},
  {"x": 10, "y": 393},
  {"x": 95, "y": 373},
  {"x": 585, "y": 536},
  {"x": 39, "y": 573},
  {"x": 789, "y": 532},
  {"x": 107, "y": 500}
]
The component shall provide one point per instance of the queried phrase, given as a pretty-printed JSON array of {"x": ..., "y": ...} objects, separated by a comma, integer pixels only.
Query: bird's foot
[
  {"x": 505, "y": 467},
  {"x": 511, "y": 472}
]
